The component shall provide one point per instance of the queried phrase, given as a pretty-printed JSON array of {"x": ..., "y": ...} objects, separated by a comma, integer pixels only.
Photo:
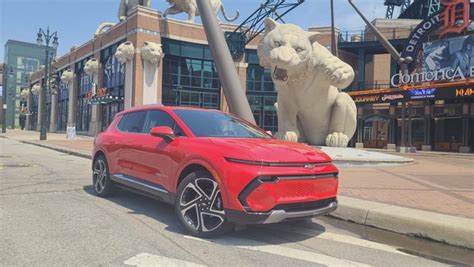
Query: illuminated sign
[
  {"x": 392, "y": 97},
  {"x": 422, "y": 93},
  {"x": 464, "y": 92},
  {"x": 100, "y": 92},
  {"x": 366, "y": 98}
]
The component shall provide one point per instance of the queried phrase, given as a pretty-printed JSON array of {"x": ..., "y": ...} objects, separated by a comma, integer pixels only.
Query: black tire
[
  {"x": 199, "y": 206},
  {"x": 101, "y": 182}
]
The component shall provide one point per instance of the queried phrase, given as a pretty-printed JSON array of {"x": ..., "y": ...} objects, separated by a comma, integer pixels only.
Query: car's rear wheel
[
  {"x": 103, "y": 185},
  {"x": 199, "y": 205}
]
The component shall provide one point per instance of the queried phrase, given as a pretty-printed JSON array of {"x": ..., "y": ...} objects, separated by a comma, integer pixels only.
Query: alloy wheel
[
  {"x": 100, "y": 176},
  {"x": 201, "y": 205}
]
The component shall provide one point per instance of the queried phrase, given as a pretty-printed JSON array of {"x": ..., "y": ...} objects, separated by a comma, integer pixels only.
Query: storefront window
[
  {"x": 63, "y": 102},
  {"x": 376, "y": 131},
  {"x": 48, "y": 110},
  {"x": 189, "y": 76},
  {"x": 114, "y": 82},
  {"x": 261, "y": 93},
  {"x": 84, "y": 83},
  {"x": 34, "y": 113}
]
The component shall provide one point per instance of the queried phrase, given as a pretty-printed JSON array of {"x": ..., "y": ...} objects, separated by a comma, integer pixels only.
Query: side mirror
[{"x": 164, "y": 132}]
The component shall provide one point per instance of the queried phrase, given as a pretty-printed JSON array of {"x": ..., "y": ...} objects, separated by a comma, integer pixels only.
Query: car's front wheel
[
  {"x": 199, "y": 205},
  {"x": 103, "y": 185}
]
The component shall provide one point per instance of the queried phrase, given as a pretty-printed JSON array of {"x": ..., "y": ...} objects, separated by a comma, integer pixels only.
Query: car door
[
  {"x": 159, "y": 157},
  {"x": 129, "y": 144}
]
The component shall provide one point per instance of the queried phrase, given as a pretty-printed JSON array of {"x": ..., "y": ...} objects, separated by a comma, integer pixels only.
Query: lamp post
[
  {"x": 7, "y": 72},
  {"x": 48, "y": 37}
]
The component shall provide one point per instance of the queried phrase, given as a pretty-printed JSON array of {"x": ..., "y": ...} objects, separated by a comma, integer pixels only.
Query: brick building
[{"x": 186, "y": 76}]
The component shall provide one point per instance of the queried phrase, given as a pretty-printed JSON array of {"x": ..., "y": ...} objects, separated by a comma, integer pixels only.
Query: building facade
[
  {"x": 21, "y": 59},
  {"x": 185, "y": 76},
  {"x": 434, "y": 113}
]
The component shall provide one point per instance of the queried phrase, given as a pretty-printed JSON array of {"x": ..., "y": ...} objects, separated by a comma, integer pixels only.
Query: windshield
[{"x": 217, "y": 124}]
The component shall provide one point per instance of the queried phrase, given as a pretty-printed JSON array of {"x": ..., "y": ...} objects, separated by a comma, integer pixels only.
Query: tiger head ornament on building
[
  {"x": 308, "y": 77},
  {"x": 125, "y": 52},
  {"x": 92, "y": 66},
  {"x": 67, "y": 76},
  {"x": 151, "y": 52}
]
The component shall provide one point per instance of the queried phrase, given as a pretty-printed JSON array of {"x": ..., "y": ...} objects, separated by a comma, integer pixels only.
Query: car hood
[{"x": 269, "y": 150}]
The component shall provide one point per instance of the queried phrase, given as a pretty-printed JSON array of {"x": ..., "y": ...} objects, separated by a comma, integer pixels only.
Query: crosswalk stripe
[
  {"x": 344, "y": 239},
  {"x": 280, "y": 251},
  {"x": 149, "y": 260}
]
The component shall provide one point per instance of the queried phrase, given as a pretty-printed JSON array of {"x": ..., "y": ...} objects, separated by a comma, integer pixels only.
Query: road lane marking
[
  {"x": 148, "y": 260},
  {"x": 280, "y": 251},
  {"x": 344, "y": 239}
]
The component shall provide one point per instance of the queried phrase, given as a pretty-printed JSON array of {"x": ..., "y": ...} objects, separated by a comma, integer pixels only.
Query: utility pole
[{"x": 233, "y": 91}]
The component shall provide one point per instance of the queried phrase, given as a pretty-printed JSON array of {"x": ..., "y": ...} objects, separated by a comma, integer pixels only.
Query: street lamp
[
  {"x": 7, "y": 73},
  {"x": 39, "y": 40}
]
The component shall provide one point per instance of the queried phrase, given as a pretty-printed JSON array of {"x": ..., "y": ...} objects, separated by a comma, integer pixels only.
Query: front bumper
[
  {"x": 257, "y": 189},
  {"x": 279, "y": 215}
]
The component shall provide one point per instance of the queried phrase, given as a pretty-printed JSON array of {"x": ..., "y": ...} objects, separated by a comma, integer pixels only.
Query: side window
[
  {"x": 132, "y": 122},
  {"x": 157, "y": 118}
]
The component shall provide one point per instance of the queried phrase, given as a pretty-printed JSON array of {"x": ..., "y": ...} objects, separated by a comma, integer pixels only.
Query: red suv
[{"x": 216, "y": 169}]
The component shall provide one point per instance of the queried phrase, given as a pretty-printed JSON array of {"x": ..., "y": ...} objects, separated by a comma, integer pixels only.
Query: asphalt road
[{"x": 49, "y": 216}]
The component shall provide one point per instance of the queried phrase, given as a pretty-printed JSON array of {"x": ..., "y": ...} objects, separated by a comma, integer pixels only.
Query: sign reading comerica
[{"x": 430, "y": 76}]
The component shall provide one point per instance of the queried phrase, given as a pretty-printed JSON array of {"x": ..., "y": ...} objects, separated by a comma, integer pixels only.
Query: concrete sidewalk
[{"x": 432, "y": 197}]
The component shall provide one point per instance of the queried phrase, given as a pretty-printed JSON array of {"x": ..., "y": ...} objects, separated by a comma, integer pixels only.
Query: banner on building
[{"x": 449, "y": 54}]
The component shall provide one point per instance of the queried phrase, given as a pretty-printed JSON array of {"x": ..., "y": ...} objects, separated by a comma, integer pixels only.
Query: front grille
[{"x": 304, "y": 206}]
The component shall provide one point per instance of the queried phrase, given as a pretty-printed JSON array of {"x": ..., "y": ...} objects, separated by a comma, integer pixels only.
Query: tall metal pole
[
  {"x": 4, "y": 96},
  {"x": 43, "y": 96},
  {"x": 333, "y": 31},
  {"x": 233, "y": 91}
]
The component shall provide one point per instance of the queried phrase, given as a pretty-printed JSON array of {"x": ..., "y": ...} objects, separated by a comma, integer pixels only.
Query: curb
[
  {"x": 59, "y": 149},
  {"x": 448, "y": 229}
]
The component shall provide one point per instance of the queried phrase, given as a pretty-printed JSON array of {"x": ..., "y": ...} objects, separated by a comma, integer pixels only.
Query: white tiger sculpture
[
  {"x": 151, "y": 52},
  {"x": 126, "y": 5},
  {"x": 125, "y": 52},
  {"x": 310, "y": 107},
  {"x": 92, "y": 66},
  {"x": 190, "y": 7}
]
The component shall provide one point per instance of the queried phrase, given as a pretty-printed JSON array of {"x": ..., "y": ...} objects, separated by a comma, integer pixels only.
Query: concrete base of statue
[
  {"x": 406, "y": 149},
  {"x": 357, "y": 157}
]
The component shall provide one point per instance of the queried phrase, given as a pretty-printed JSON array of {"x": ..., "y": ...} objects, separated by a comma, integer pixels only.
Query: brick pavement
[{"x": 438, "y": 182}]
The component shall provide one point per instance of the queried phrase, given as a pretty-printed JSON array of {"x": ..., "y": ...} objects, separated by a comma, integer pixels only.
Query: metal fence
[{"x": 367, "y": 35}]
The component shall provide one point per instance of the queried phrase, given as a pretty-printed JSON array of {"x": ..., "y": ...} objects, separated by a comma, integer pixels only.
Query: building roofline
[{"x": 11, "y": 41}]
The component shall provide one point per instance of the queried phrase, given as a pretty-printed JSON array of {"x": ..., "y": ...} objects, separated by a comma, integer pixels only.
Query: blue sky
[{"x": 76, "y": 20}]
